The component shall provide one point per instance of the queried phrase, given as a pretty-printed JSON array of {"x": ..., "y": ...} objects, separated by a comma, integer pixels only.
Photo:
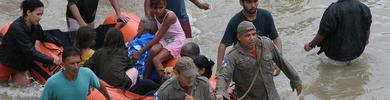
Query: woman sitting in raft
[{"x": 17, "y": 52}]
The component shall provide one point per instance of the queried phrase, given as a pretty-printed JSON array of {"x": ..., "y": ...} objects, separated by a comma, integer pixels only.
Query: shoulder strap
[{"x": 254, "y": 78}]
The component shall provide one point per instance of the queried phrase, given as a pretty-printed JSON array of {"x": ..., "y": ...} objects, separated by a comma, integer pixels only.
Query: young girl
[
  {"x": 85, "y": 39},
  {"x": 168, "y": 41},
  {"x": 110, "y": 63}
]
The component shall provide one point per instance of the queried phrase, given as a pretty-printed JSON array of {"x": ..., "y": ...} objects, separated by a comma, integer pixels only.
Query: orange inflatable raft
[{"x": 43, "y": 71}]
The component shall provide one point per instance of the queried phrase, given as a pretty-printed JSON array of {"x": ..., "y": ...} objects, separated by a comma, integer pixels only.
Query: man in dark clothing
[
  {"x": 83, "y": 12},
  {"x": 344, "y": 31},
  {"x": 261, "y": 18}
]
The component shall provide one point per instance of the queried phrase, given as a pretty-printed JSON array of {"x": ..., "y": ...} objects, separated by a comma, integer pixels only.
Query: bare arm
[
  {"x": 221, "y": 54},
  {"x": 278, "y": 43},
  {"x": 317, "y": 39},
  {"x": 116, "y": 6},
  {"x": 147, "y": 8},
  {"x": 170, "y": 19},
  {"x": 103, "y": 90},
  {"x": 204, "y": 6},
  {"x": 76, "y": 14}
]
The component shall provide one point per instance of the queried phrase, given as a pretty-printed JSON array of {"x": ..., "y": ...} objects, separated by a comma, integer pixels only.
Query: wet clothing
[
  {"x": 347, "y": 24},
  {"x": 241, "y": 67},
  {"x": 18, "y": 48},
  {"x": 111, "y": 66},
  {"x": 171, "y": 90},
  {"x": 264, "y": 24},
  {"x": 179, "y": 7},
  {"x": 58, "y": 87},
  {"x": 174, "y": 38},
  {"x": 186, "y": 28},
  {"x": 137, "y": 44},
  {"x": 87, "y": 9}
]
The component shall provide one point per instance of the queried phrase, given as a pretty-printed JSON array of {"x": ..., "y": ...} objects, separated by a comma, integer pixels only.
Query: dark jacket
[
  {"x": 345, "y": 26},
  {"x": 18, "y": 48},
  {"x": 111, "y": 66}
]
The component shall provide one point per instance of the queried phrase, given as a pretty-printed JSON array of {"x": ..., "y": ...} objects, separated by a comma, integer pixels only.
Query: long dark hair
[
  {"x": 85, "y": 37},
  {"x": 30, "y": 5},
  {"x": 202, "y": 61},
  {"x": 113, "y": 39}
]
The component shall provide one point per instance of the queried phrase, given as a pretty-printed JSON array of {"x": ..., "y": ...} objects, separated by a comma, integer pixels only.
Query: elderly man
[
  {"x": 250, "y": 66},
  {"x": 188, "y": 85}
]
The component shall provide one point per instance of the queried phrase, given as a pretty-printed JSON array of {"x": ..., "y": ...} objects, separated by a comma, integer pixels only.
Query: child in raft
[{"x": 167, "y": 43}]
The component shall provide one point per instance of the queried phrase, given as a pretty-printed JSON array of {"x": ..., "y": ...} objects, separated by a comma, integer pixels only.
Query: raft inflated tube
[
  {"x": 116, "y": 94},
  {"x": 129, "y": 29},
  {"x": 41, "y": 72},
  {"x": 4, "y": 30}
]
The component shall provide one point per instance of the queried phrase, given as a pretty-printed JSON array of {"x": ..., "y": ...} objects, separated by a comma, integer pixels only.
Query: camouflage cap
[
  {"x": 245, "y": 26},
  {"x": 186, "y": 67}
]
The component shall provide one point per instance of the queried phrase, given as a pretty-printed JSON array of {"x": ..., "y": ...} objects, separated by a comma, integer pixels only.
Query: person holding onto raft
[{"x": 17, "y": 52}]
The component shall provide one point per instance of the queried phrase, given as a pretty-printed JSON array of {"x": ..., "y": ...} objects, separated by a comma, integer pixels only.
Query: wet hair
[
  {"x": 192, "y": 47},
  {"x": 149, "y": 25},
  {"x": 85, "y": 37},
  {"x": 154, "y": 3},
  {"x": 113, "y": 39},
  {"x": 201, "y": 62},
  {"x": 30, "y": 5},
  {"x": 69, "y": 52}
]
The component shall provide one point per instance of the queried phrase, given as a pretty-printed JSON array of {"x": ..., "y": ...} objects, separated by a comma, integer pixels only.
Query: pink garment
[
  {"x": 174, "y": 38},
  {"x": 132, "y": 73}
]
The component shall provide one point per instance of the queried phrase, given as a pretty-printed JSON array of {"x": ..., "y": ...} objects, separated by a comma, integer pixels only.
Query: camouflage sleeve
[
  {"x": 224, "y": 76},
  {"x": 287, "y": 69}
]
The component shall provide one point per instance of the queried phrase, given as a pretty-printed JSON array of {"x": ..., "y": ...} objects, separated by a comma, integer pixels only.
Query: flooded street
[{"x": 297, "y": 22}]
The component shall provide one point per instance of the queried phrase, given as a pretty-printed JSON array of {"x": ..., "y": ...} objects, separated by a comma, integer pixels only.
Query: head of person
[
  {"x": 204, "y": 65},
  {"x": 158, "y": 7},
  {"x": 113, "y": 39},
  {"x": 190, "y": 49},
  {"x": 246, "y": 35},
  {"x": 249, "y": 6},
  {"x": 71, "y": 59},
  {"x": 147, "y": 25},
  {"x": 85, "y": 37},
  {"x": 186, "y": 71},
  {"x": 32, "y": 11}
]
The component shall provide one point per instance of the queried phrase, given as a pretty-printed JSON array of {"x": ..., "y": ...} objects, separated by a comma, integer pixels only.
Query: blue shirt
[
  {"x": 264, "y": 24},
  {"x": 58, "y": 87}
]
